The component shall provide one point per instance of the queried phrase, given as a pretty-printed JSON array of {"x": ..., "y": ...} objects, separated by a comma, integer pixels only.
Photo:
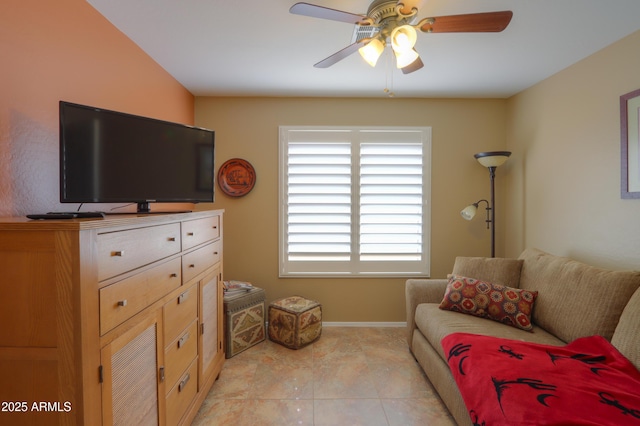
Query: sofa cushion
[
  {"x": 574, "y": 299},
  {"x": 434, "y": 324},
  {"x": 627, "y": 338},
  {"x": 508, "y": 305},
  {"x": 492, "y": 269}
]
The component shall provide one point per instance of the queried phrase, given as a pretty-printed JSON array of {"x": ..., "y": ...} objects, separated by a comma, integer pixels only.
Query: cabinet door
[
  {"x": 211, "y": 351},
  {"x": 131, "y": 366}
]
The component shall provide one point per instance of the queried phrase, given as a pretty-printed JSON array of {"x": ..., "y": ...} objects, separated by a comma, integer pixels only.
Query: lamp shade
[
  {"x": 403, "y": 38},
  {"x": 371, "y": 51},
  {"x": 469, "y": 212},
  {"x": 492, "y": 158},
  {"x": 406, "y": 58}
]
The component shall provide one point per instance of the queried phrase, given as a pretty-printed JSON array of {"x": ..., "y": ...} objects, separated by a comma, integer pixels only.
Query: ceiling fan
[{"x": 392, "y": 22}]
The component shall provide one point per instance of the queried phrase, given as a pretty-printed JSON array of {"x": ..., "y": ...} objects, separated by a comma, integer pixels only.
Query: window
[{"x": 354, "y": 201}]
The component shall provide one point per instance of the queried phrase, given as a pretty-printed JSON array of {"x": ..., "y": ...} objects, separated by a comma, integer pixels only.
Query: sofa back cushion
[
  {"x": 627, "y": 336},
  {"x": 496, "y": 270},
  {"x": 574, "y": 299}
]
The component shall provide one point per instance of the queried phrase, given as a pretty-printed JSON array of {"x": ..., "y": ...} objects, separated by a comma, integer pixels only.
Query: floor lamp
[{"x": 491, "y": 160}]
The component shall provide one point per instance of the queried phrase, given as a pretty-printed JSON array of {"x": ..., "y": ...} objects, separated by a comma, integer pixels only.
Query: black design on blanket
[
  {"x": 608, "y": 399},
  {"x": 584, "y": 358},
  {"x": 502, "y": 385},
  {"x": 475, "y": 420},
  {"x": 458, "y": 350},
  {"x": 509, "y": 351}
]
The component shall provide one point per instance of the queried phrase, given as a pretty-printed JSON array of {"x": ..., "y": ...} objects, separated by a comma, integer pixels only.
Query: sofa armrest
[{"x": 419, "y": 291}]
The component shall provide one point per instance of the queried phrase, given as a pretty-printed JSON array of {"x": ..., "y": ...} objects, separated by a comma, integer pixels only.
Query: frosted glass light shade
[
  {"x": 403, "y": 38},
  {"x": 492, "y": 158},
  {"x": 404, "y": 59},
  {"x": 371, "y": 51},
  {"x": 469, "y": 212}
]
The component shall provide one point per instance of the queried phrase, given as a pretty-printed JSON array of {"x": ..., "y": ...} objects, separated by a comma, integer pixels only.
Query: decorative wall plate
[{"x": 236, "y": 177}]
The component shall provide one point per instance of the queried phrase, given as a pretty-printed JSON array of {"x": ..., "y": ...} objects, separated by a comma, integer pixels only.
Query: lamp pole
[
  {"x": 492, "y": 176},
  {"x": 492, "y": 160}
]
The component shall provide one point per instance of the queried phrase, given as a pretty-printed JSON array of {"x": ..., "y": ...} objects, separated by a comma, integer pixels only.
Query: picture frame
[{"x": 630, "y": 145}]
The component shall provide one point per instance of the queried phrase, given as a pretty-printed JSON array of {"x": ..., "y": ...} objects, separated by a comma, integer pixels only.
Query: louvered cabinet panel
[
  {"x": 131, "y": 376},
  {"x": 211, "y": 350}
]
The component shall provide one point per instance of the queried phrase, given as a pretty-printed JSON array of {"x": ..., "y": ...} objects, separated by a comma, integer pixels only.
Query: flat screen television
[{"x": 114, "y": 157}]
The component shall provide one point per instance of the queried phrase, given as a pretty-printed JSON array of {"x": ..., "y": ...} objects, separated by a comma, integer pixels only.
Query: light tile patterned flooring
[{"x": 350, "y": 376}]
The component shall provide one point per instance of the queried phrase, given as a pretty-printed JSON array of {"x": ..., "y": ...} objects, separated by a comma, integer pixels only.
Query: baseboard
[{"x": 364, "y": 324}]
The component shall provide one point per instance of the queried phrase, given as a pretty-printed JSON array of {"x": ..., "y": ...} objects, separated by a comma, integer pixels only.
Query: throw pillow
[{"x": 508, "y": 305}]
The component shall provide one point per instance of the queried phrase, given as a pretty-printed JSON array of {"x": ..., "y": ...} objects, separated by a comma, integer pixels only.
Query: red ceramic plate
[{"x": 236, "y": 177}]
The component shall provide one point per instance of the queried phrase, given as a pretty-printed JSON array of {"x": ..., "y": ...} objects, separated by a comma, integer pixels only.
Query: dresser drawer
[
  {"x": 181, "y": 395},
  {"x": 180, "y": 353},
  {"x": 199, "y": 260},
  {"x": 124, "y": 251},
  {"x": 124, "y": 299},
  {"x": 199, "y": 231},
  {"x": 179, "y": 312}
]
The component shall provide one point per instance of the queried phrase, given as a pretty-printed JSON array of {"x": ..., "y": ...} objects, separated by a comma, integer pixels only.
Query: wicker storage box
[
  {"x": 295, "y": 322},
  {"x": 244, "y": 320}
]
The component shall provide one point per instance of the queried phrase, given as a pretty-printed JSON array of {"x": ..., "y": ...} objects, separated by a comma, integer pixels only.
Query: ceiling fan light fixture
[
  {"x": 404, "y": 59},
  {"x": 403, "y": 38},
  {"x": 371, "y": 51}
]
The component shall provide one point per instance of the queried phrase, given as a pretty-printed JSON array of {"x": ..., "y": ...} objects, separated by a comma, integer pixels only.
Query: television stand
[{"x": 143, "y": 208}]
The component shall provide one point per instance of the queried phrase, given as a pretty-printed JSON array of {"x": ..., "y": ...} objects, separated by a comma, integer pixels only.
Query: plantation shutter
[{"x": 354, "y": 202}]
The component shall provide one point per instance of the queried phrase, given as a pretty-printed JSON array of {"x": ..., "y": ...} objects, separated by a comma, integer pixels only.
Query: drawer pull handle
[
  {"x": 183, "y": 297},
  {"x": 122, "y": 302},
  {"x": 162, "y": 374},
  {"x": 184, "y": 382},
  {"x": 118, "y": 253},
  {"x": 171, "y": 238},
  {"x": 215, "y": 227},
  {"x": 183, "y": 340},
  {"x": 190, "y": 234},
  {"x": 174, "y": 275},
  {"x": 192, "y": 266},
  {"x": 215, "y": 252}
]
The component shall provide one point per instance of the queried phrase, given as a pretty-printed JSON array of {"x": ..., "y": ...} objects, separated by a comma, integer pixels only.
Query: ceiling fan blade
[
  {"x": 307, "y": 9},
  {"x": 341, "y": 54},
  {"x": 414, "y": 66},
  {"x": 408, "y": 5},
  {"x": 488, "y": 22}
]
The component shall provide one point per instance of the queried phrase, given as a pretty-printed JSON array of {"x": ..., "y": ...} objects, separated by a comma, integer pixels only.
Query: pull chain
[{"x": 388, "y": 65}]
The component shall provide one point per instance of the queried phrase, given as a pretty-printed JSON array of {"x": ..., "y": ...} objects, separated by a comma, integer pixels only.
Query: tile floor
[{"x": 350, "y": 376}]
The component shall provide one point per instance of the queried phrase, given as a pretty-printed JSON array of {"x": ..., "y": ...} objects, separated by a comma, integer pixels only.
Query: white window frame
[{"x": 354, "y": 267}]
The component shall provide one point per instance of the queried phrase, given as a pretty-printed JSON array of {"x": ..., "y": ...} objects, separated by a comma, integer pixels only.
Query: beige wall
[
  {"x": 248, "y": 128},
  {"x": 564, "y": 177},
  {"x": 65, "y": 50},
  {"x": 559, "y": 191}
]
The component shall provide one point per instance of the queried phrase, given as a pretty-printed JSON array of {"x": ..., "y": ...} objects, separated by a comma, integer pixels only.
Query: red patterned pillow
[{"x": 508, "y": 305}]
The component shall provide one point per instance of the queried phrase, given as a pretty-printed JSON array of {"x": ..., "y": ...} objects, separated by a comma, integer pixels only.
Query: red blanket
[{"x": 509, "y": 382}]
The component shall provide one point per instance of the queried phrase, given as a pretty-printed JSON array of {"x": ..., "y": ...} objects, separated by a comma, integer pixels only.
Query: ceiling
[{"x": 257, "y": 48}]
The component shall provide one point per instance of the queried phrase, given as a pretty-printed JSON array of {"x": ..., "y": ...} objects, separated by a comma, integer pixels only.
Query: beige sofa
[{"x": 574, "y": 300}]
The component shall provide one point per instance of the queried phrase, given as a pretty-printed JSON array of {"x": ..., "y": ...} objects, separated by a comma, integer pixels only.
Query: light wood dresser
[{"x": 110, "y": 321}]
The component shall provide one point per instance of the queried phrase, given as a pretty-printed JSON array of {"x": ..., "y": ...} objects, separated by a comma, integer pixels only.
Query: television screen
[{"x": 113, "y": 157}]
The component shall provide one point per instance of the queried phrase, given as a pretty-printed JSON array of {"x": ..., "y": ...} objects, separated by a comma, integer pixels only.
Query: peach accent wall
[
  {"x": 564, "y": 185},
  {"x": 248, "y": 128},
  {"x": 65, "y": 50}
]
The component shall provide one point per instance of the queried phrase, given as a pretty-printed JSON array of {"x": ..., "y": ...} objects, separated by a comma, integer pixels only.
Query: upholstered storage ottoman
[
  {"x": 295, "y": 322},
  {"x": 244, "y": 320}
]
